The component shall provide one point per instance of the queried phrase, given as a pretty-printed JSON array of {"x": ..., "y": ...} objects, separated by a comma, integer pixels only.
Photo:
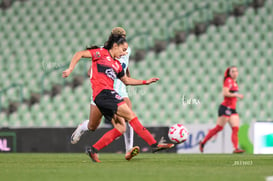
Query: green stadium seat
[{"x": 240, "y": 40}]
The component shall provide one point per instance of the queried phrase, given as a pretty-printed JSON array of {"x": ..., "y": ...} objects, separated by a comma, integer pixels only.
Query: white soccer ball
[{"x": 178, "y": 133}]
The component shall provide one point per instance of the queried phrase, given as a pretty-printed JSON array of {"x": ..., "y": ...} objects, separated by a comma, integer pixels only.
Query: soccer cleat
[
  {"x": 92, "y": 154},
  {"x": 76, "y": 135},
  {"x": 237, "y": 150},
  {"x": 162, "y": 146},
  {"x": 201, "y": 147},
  {"x": 132, "y": 152}
]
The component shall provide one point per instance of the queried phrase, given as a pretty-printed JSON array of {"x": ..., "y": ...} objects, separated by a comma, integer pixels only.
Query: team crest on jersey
[
  {"x": 97, "y": 55},
  {"x": 111, "y": 73}
]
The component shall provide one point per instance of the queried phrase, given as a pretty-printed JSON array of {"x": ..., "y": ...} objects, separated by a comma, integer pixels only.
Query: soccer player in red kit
[
  {"x": 94, "y": 117},
  {"x": 227, "y": 110},
  {"x": 105, "y": 69}
]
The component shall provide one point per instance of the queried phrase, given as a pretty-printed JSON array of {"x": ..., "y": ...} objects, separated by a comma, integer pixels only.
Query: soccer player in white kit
[{"x": 120, "y": 87}]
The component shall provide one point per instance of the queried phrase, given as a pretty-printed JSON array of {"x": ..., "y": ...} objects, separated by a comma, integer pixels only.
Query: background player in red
[
  {"x": 106, "y": 69},
  {"x": 227, "y": 110}
]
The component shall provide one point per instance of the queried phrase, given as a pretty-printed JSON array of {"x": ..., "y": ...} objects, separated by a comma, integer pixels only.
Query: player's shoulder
[
  {"x": 99, "y": 50},
  {"x": 228, "y": 80},
  {"x": 102, "y": 50},
  {"x": 98, "y": 53}
]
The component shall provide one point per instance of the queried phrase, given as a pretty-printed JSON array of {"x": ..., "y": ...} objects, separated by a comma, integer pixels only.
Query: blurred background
[{"x": 187, "y": 44}]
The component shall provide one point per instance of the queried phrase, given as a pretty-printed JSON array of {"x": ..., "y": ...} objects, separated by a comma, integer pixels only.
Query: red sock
[
  {"x": 107, "y": 138},
  {"x": 211, "y": 133},
  {"x": 142, "y": 131},
  {"x": 234, "y": 137}
]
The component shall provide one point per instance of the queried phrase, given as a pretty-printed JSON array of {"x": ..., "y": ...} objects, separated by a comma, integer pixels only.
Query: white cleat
[{"x": 76, "y": 135}]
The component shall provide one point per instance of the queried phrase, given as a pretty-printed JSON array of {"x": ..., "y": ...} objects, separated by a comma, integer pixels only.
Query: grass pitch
[{"x": 150, "y": 167}]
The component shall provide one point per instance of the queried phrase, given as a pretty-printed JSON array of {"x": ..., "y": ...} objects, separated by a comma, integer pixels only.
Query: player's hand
[
  {"x": 151, "y": 80},
  {"x": 66, "y": 73},
  {"x": 241, "y": 96}
]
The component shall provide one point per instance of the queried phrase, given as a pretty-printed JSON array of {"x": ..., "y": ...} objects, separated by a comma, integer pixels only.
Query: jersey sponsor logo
[
  {"x": 108, "y": 71},
  {"x": 111, "y": 73}
]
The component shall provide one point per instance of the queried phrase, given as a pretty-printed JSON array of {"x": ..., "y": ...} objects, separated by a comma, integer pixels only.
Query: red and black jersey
[
  {"x": 233, "y": 88},
  {"x": 105, "y": 70}
]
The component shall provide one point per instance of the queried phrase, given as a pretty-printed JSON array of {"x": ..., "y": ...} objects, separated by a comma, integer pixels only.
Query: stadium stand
[{"x": 190, "y": 72}]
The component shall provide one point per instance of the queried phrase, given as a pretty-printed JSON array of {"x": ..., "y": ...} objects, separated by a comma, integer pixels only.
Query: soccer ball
[{"x": 178, "y": 133}]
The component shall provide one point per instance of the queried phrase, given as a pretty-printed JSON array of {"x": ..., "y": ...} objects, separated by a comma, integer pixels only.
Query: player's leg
[
  {"x": 91, "y": 124},
  {"x": 107, "y": 138},
  {"x": 119, "y": 123},
  {"x": 94, "y": 118},
  {"x": 223, "y": 117},
  {"x": 131, "y": 151},
  {"x": 108, "y": 102},
  {"x": 234, "y": 124},
  {"x": 125, "y": 112},
  {"x": 221, "y": 121},
  {"x": 129, "y": 135}
]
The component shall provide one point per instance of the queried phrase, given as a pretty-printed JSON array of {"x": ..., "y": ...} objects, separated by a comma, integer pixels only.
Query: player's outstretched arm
[
  {"x": 77, "y": 56},
  {"x": 131, "y": 81}
]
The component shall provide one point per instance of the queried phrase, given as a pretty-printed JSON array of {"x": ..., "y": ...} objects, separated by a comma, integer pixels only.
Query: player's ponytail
[
  {"x": 114, "y": 38},
  {"x": 226, "y": 75}
]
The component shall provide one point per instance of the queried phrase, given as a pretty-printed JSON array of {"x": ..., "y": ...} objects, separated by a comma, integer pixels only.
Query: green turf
[{"x": 150, "y": 167}]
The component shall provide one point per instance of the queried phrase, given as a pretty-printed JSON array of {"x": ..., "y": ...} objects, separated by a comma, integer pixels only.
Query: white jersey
[{"x": 119, "y": 86}]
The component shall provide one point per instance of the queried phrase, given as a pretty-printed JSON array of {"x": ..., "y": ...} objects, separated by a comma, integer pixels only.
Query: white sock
[
  {"x": 128, "y": 137},
  {"x": 84, "y": 125}
]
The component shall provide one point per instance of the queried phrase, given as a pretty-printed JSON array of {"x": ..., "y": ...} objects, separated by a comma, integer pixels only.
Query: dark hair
[
  {"x": 227, "y": 74},
  {"x": 114, "y": 38},
  {"x": 92, "y": 47}
]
